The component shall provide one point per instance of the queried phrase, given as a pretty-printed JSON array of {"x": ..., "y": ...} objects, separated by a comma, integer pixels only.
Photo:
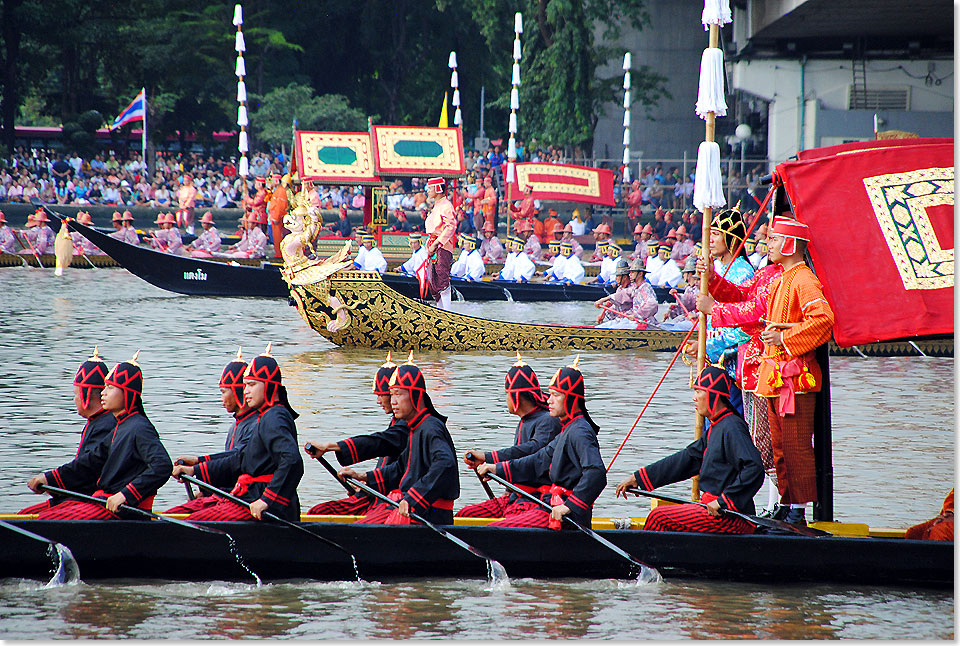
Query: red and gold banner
[
  {"x": 565, "y": 183},
  {"x": 335, "y": 157},
  {"x": 418, "y": 151},
  {"x": 881, "y": 228}
]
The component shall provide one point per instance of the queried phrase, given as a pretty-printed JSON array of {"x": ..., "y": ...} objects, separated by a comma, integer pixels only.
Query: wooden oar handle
[
  {"x": 310, "y": 448},
  {"x": 483, "y": 482}
]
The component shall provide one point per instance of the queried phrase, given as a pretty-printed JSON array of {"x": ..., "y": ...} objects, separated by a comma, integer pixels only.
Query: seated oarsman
[
  {"x": 168, "y": 238},
  {"x": 425, "y": 479},
  {"x": 387, "y": 445},
  {"x": 7, "y": 239},
  {"x": 602, "y": 235},
  {"x": 253, "y": 241},
  {"x": 724, "y": 458},
  {"x": 555, "y": 271},
  {"x": 573, "y": 271},
  {"x": 608, "y": 268},
  {"x": 571, "y": 462},
  {"x": 490, "y": 248},
  {"x": 372, "y": 258},
  {"x": 536, "y": 429},
  {"x": 620, "y": 301},
  {"x": 209, "y": 239},
  {"x": 87, "y": 385},
  {"x": 244, "y": 422},
  {"x": 645, "y": 304},
  {"x": 683, "y": 314},
  {"x": 518, "y": 268},
  {"x": 506, "y": 272},
  {"x": 417, "y": 257},
  {"x": 568, "y": 237},
  {"x": 80, "y": 242},
  {"x": 668, "y": 273},
  {"x": 127, "y": 470},
  {"x": 266, "y": 472},
  {"x": 469, "y": 266},
  {"x": 652, "y": 262},
  {"x": 130, "y": 235},
  {"x": 600, "y": 253},
  {"x": 935, "y": 529},
  {"x": 45, "y": 236},
  {"x": 117, "y": 221}
]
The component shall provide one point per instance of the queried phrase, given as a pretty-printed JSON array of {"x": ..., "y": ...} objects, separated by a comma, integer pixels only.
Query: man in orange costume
[
  {"x": 489, "y": 201},
  {"x": 798, "y": 320},
  {"x": 276, "y": 209},
  {"x": 441, "y": 228},
  {"x": 526, "y": 211},
  {"x": 258, "y": 203}
]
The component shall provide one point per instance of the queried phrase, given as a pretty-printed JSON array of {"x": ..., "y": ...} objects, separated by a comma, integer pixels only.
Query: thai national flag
[{"x": 136, "y": 111}]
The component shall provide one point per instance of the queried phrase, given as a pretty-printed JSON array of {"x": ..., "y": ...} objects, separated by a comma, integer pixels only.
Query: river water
[{"x": 893, "y": 459}]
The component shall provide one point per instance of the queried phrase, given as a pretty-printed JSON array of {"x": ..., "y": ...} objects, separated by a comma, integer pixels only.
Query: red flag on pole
[{"x": 881, "y": 229}]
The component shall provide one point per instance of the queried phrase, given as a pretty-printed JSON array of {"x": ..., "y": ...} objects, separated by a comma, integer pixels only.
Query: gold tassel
[
  {"x": 775, "y": 380},
  {"x": 806, "y": 380}
]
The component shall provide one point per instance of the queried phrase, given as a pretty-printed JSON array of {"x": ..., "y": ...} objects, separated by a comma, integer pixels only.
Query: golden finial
[
  {"x": 389, "y": 363},
  {"x": 737, "y": 207},
  {"x": 239, "y": 353},
  {"x": 576, "y": 363},
  {"x": 136, "y": 355},
  {"x": 520, "y": 362},
  {"x": 96, "y": 354},
  {"x": 266, "y": 353},
  {"x": 410, "y": 359}
]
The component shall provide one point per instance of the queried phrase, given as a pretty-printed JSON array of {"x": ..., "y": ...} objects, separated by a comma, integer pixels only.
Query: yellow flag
[{"x": 443, "y": 113}]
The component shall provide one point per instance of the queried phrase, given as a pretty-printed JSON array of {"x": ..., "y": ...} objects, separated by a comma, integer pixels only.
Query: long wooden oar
[
  {"x": 497, "y": 571},
  {"x": 190, "y": 494},
  {"x": 32, "y": 249},
  {"x": 67, "y": 569},
  {"x": 647, "y": 572},
  {"x": 267, "y": 514},
  {"x": 310, "y": 448},
  {"x": 483, "y": 483},
  {"x": 757, "y": 521},
  {"x": 135, "y": 510}
]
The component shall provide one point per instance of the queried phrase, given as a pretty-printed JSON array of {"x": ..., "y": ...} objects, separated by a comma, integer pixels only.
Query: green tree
[
  {"x": 272, "y": 121},
  {"x": 561, "y": 56}
]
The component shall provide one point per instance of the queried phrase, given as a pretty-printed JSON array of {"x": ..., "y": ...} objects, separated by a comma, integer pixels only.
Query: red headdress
[
  {"x": 436, "y": 183},
  {"x": 791, "y": 230},
  {"x": 409, "y": 377},
  {"x": 716, "y": 383},
  {"x": 381, "y": 382},
  {"x": 569, "y": 382},
  {"x": 522, "y": 379},
  {"x": 91, "y": 376},
  {"x": 128, "y": 377},
  {"x": 232, "y": 376}
]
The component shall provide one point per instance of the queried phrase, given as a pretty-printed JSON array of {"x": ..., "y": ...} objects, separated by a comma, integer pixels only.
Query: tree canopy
[{"x": 330, "y": 65}]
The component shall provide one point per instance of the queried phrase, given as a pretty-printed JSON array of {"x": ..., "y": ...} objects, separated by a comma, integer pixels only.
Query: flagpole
[
  {"x": 514, "y": 106},
  {"x": 708, "y": 188},
  {"x": 143, "y": 142},
  {"x": 242, "y": 121}
]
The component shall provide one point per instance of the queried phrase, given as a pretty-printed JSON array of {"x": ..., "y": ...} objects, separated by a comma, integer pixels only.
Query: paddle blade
[{"x": 67, "y": 571}]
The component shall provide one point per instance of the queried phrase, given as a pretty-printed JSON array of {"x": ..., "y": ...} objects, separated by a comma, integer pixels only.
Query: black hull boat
[{"x": 157, "y": 550}]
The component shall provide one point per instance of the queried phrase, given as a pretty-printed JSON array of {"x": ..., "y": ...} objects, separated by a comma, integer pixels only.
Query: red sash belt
[
  {"x": 533, "y": 490},
  {"x": 555, "y": 492},
  {"x": 442, "y": 503},
  {"x": 244, "y": 482},
  {"x": 146, "y": 503}
]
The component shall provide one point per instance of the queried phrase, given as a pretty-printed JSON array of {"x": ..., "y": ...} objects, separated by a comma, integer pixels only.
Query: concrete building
[
  {"x": 800, "y": 73},
  {"x": 816, "y": 72}
]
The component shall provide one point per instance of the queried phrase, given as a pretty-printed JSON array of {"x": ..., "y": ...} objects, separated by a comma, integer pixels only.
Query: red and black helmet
[
  {"x": 128, "y": 377},
  {"x": 409, "y": 377},
  {"x": 266, "y": 369},
  {"x": 716, "y": 383},
  {"x": 381, "y": 382},
  {"x": 569, "y": 381},
  {"x": 91, "y": 376},
  {"x": 522, "y": 379},
  {"x": 232, "y": 376}
]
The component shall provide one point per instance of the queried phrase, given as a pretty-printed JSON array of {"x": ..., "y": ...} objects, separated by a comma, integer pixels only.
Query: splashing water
[
  {"x": 497, "y": 574},
  {"x": 356, "y": 570},
  {"x": 239, "y": 557},
  {"x": 67, "y": 571},
  {"x": 648, "y": 575}
]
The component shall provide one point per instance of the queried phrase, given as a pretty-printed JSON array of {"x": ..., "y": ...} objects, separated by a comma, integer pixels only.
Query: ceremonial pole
[
  {"x": 457, "y": 116},
  {"x": 708, "y": 185},
  {"x": 626, "y": 118},
  {"x": 243, "y": 145},
  {"x": 514, "y": 106},
  {"x": 143, "y": 135}
]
